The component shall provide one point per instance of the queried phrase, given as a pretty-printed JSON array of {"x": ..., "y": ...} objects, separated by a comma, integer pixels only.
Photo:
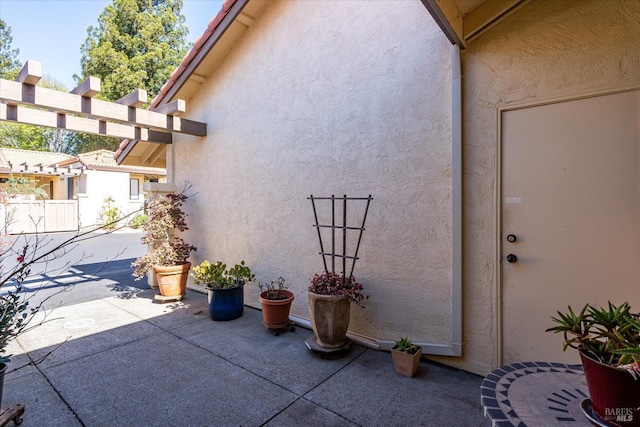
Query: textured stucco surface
[
  {"x": 351, "y": 97},
  {"x": 549, "y": 49},
  {"x": 322, "y": 98}
]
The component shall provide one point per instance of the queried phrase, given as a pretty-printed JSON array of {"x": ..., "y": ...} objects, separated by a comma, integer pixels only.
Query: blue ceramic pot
[{"x": 226, "y": 304}]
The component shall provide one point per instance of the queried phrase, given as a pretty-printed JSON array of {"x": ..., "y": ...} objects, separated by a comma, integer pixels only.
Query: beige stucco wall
[
  {"x": 354, "y": 97},
  {"x": 322, "y": 98},
  {"x": 549, "y": 49}
]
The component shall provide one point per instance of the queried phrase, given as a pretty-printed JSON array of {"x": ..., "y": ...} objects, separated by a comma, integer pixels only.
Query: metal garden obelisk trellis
[{"x": 336, "y": 227}]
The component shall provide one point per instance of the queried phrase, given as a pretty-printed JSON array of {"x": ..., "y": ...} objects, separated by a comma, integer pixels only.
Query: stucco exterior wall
[
  {"x": 322, "y": 98},
  {"x": 549, "y": 49}
]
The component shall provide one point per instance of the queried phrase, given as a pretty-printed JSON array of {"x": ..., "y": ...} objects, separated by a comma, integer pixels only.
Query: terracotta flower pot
[
  {"x": 275, "y": 312},
  {"x": 329, "y": 319},
  {"x": 172, "y": 279},
  {"x": 614, "y": 393},
  {"x": 406, "y": 363}
]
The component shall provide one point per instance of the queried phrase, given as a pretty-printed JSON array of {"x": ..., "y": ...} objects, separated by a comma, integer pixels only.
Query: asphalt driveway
[{"x": 94, "y": 268}]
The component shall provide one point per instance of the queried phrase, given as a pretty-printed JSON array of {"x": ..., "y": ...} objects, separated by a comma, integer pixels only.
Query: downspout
[
  {"x": 456, "y": 199},
  {"x": 453, "y": 348}
]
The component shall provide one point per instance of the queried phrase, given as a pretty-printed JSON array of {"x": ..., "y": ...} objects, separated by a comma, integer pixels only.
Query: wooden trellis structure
[
  {"x": 22, "y": 101},
  {"x": 336, "y": 226}
]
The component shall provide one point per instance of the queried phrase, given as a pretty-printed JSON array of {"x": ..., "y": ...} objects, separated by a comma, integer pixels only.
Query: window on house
[
  {"x": 134, "y": 188},
  {"x": 82, "y": 184},
  {"x": 70, "y": 188}
]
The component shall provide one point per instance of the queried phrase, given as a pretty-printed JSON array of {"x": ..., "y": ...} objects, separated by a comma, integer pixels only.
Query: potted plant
[
  {"x": 330, "y": 298},
  {"x": 608, "y": 340},
  {"x": 406, "y": 356},
  {"x": 224, "y": 287},
  {"x": 275, "y": 299},
  {"x": 168, "y": 254}
]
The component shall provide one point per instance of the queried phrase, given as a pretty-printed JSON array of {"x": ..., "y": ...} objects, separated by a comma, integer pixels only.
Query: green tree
[
  {"x": 136, "y": 45},
  {"x": 9, "y": 64}
]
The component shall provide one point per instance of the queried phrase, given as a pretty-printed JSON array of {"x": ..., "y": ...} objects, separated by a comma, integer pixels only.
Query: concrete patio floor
[{"x": 125, "y": 360}]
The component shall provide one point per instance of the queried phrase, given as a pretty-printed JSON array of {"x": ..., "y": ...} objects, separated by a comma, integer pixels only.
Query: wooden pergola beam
[
  {"x": 45, "y": 170},
  {"x": 31, "y": 116},
  {"x": 134, "y": 99},
  {"x": 16, "y": 93},
  {"x": 89, "y": 88},
  {"x": 173, "y": 108},
  {"x": 31, "y": 73}
]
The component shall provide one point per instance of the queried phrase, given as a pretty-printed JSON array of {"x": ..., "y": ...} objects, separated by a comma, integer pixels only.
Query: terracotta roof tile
[
  {"x": 16, "y": 157},
  {"x": 98, "y": 158}
]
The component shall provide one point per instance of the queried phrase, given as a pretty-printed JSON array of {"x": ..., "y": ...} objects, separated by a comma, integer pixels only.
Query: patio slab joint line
[
  {"x": 57, "y": 392},
  {"x": 327, "y": 379}
]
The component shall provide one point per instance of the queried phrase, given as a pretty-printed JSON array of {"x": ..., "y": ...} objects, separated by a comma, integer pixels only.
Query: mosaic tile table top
[{"x": 535, "y": 394}]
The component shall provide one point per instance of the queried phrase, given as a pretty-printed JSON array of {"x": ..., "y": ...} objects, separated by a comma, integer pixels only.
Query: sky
[{"x": 52, "y": 31}]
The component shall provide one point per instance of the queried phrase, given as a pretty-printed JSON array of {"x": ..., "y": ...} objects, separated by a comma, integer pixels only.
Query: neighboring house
[
  {"x": 358, "y": 98},
  {"x": 76, "y": 187},
  {"x": 103, "y": 178},
  {"x": 42, "y": 168}
]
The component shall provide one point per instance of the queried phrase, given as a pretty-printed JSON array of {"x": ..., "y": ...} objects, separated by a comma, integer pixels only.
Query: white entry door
[{"x": 571, "y": 198}]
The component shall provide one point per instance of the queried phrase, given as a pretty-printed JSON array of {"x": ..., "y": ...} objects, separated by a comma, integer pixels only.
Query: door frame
[{"x": 501, "y": 109}]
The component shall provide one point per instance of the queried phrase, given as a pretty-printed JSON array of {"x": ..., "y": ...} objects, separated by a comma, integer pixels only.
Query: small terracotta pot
[
  {"x": 406, "y": 363},
  {"x": 614, "y": 393},
  {"x": 330, "y": 317},
  {"x": 172, "y": 279},
  {"x": 275, "y": 312}
]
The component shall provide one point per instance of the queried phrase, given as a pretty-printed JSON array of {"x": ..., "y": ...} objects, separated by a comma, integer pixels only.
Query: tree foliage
[
  {"x": 9, "y": 63},
  {"x": 136, "y": 45}
]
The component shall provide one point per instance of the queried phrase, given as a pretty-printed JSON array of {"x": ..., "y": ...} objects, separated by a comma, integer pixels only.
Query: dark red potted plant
[
  {"x": 609, "y": 343},
  {"x": 330, "y": 298},
  {"x": 168, "y": 254}
]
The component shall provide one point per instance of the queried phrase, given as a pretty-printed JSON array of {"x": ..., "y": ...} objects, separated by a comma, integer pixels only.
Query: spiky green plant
[
  {"x": 610, "y": 335},
  {"x": 405, "y": 345}
]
